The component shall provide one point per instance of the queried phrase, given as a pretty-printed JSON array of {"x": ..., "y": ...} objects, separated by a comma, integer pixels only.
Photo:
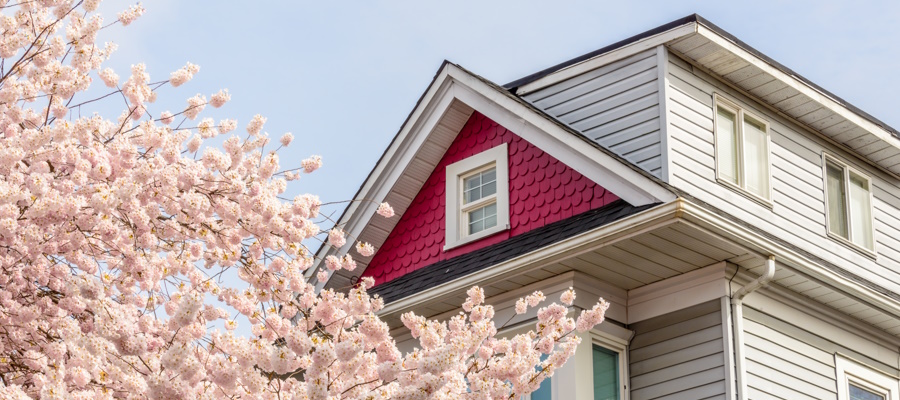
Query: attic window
[{"x": 477, "y": 197}]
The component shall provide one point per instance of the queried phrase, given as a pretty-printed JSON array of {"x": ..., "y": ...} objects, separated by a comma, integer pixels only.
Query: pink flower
[
  {"x": 183, "y": 74},
  {"x": 109, "y": 77},
  {"x": 365, "y": 249},
  {"x": 567, "y": 297},
  {"x": 336, "y": 238},
  {"x": 311, "y": 164},
  {"x": 166, "y": 117},
  {"x": 286, "y": 139},
  {"x": 220, "y": 98},
  {"x": 385, "y": 210},
  {"x": 132, "y": 13}
]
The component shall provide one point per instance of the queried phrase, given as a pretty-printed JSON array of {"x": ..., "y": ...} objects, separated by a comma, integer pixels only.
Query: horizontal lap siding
[
  {"x": 616, "y": 105},
  {"x": 679, "y": 355},
  {"x": 786, "y": 365},
  {"x": 798, "y": 212}
]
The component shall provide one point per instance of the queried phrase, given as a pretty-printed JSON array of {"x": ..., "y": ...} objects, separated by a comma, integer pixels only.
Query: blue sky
[{"x": 343, "y": 76}]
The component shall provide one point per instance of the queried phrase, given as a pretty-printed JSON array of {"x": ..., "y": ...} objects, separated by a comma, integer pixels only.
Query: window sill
[
  {"x": 743, "y": 192},
  {"x": 853, "y": 246}
]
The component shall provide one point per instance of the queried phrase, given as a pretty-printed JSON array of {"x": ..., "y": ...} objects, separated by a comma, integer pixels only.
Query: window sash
[
  {"x": 606, "y": 373},
  {"x": 849, "y": 203},
  {"x": 742, "y": 150}
]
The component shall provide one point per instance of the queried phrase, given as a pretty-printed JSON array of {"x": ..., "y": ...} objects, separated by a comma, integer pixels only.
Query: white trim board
[{"x": 606, "y": 58}]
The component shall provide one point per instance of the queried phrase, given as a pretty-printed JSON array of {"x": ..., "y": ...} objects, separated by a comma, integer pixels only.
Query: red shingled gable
[{"x": 541, "y": 190}]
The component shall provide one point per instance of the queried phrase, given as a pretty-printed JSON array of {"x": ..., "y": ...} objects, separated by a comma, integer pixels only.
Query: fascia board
[
  {"x": 792, "y": 81},
  {"x": 606, "y": 58}
]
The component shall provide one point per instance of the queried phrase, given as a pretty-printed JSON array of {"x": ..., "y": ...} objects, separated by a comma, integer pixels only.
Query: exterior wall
[
  {"x": 797, "y": 213},
  {"x": 542, "y": 190},
  {"x": 616, "y": 105},
  {"x": 679, "y": 355},
  {"x": 790, "y": 347}
]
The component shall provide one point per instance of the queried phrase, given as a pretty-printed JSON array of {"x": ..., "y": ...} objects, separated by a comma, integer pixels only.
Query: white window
[
  {"x": 848, "y": 199},
  {"x": 742, "y": 149},
  {"x": 859, "y": 382},
  {"x": 477, "y": 196}
]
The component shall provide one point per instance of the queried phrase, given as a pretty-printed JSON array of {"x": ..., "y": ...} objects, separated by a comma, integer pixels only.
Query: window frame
[
  {"x": 848, "y": 169},
  {"x": 849, "y": 371},
  {"x": 740, "y": 114},
  {"x": 456, "y": 211},
  {"x": 617, "y": 345}
]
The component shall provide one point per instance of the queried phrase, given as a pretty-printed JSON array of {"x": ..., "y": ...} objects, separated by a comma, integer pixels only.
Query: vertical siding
[
  {"x": 616, "y": 105},
  {"x": 798, "y": 202},
  {"x": 679, "y": 355}
]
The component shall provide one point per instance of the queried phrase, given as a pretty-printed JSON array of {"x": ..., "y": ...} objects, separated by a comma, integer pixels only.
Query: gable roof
[
  {"x": 716, "y": 52},
  {"x": 451, "y": 97}
]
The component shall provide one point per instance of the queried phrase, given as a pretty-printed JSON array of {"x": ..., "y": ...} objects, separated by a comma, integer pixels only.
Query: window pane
[
  {"x": 606, "y": 374},
  {"x": 860, "y": 212},
  {"x": 726, "y": 146},
  {"x": 858, "y": 393},
  {"x": 483, "y": 218},
  {"x": 480, "y": 185},
  {"x": 756, "y": 163},
  {"x": 543, "y": 392},
  {"x": 837, "y": 214}
]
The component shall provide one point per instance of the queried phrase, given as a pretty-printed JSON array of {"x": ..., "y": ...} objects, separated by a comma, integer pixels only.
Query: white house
[{"x": 742, "y": 220}]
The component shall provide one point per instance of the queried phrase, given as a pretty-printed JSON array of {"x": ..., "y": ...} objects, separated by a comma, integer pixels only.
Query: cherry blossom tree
[{"x": 114, "y": 234}]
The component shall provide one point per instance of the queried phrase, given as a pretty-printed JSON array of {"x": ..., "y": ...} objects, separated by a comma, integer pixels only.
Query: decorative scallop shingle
[{"x": 542, "y": 190}]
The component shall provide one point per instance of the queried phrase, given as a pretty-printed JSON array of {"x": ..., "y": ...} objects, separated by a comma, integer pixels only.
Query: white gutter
[
  {"x": 737, "y": 314},
  {"x": 644, "y": 221}
]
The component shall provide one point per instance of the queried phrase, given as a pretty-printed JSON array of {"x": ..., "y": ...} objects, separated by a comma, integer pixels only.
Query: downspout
[{"x": 737, "y": 314}]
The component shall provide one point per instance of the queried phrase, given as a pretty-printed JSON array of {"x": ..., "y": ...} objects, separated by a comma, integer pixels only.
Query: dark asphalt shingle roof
[{"x": 457, "y": 267}]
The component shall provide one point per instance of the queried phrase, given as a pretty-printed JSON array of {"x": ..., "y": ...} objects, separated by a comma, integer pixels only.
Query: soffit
[{"x": 717, "y": 53}]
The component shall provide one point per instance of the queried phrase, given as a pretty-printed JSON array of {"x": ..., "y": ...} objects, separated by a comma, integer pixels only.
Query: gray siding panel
[
  {"x": 786, "y": 364},
  {"x": 616, "y": 105},
  {"x": 797, "y": 214},
  {"x": 679, "y": 355}
]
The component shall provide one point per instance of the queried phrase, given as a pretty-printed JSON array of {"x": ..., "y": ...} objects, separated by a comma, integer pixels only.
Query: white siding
[
  {"x": 616, "y": 105},
  {"x": 785, "y": 367},
  {"x": 797, "y": 214},
  {"x": 679, "y": 355}
]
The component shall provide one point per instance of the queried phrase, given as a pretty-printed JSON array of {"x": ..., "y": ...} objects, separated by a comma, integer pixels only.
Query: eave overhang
[
  {"x": 714, "y": 51},
  {"x": 872, "y": 297}
]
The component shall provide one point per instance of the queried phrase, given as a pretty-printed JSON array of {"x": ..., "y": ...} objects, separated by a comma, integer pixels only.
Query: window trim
[
  {"x": 849, "y": 371},
  {"x": 740, "y": 113},
  {"x": 455, "y": 215},
  {"x": 618, "y": 345},
  {"x": 848, "y": 169}
]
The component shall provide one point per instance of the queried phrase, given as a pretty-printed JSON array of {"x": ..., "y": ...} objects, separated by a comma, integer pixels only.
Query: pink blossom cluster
[{"x": 113, "y": 236}]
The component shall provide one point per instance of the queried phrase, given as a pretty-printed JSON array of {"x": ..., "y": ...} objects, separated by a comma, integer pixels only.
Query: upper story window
[
  {"x": 742, "y": 149},
  {"x": 477, "y": 196},
  {"x": 848, "y": 199},
  {"x": 858, "y": 382}
]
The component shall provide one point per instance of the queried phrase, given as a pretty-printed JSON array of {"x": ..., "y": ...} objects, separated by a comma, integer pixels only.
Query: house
[{"x": 742, "y": 221}]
